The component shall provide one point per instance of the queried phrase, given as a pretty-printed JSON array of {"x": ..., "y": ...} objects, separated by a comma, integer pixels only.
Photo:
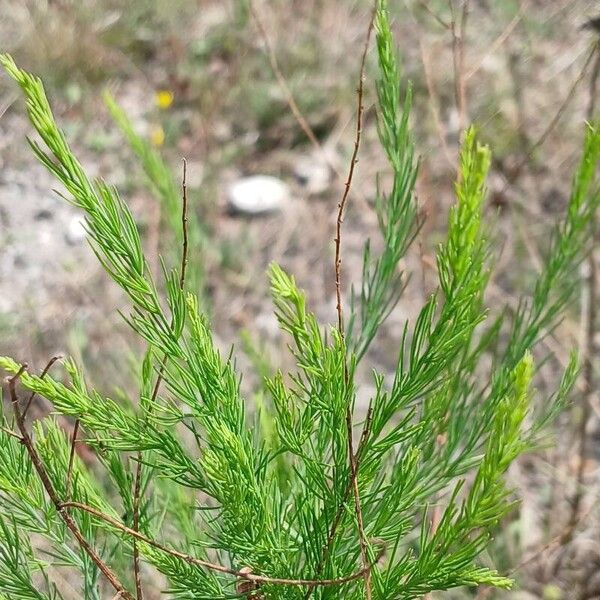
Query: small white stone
[
  {"x": 257, "y": 195},
  {"x": 75, "y": 233},
  {"x": 313, "y": 173}
]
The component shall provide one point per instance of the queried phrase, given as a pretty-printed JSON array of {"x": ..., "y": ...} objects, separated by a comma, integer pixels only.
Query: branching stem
[
  {"x": 243, "y": 574},
  {"x": 138, "y": 471},
  {"x": 352, "y": 459},
  {"x": 44, "y": 372},
  {"x": 52, "y": 494}
]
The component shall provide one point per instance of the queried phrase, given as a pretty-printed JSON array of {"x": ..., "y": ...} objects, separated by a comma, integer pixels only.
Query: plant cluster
[{"x": 310, "y": 496}]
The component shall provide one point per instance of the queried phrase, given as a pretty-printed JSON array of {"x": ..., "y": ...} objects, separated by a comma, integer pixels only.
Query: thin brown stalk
[
  {"x": 364, "y": 544},
  {"x": 52, "y": 494},
  {"x": 352, "y": 459},
  {"x": 434, "y": 104},
  {"x": 289, "y": 96},
  {"x": 561, "y": 109},
  {"x": 44, "y": 372},
  {"x": 458, "y": 58},
  {"x": 340, "y": 511},
  {"x": 348, "y": 184},
  {"x": 7, "y": 105},
  {"x": 184, "y": 227},
  {"x": 518, "y": 168},
  {"x": 423, "y": 4},
  {"x": 302, "y": 121},
  {"x": 590, "y": 285},
  {"x": 557, "y": 540},
  {"x": 137, "y": 493},
  {"x": 496, "y": 44},
  {"x": 349, "y": 489},
  {"x": 192, "y": 560}
]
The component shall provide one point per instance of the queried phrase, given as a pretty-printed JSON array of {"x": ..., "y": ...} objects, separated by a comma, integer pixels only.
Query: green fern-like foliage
[{"x": 224, "y": 498}]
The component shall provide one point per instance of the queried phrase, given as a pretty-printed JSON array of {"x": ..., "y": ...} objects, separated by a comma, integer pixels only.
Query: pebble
[
  {"x": 313, "y": 174},
  {"x": 257, "y": 195}
]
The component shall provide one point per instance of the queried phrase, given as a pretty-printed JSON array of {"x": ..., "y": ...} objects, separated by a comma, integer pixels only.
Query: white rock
[
  {"x": 75, "y": 233},
  {"x": 257, "y": 195},
  {"x": 313, "y": 173}
]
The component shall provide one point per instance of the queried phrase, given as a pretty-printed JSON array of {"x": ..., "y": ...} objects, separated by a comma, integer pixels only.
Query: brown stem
[
  {"x": 184, "y": 227},
  {"x": 434, "y": 103},
  {"x": 44, "y": 372},
  {"x": 364, "y": 550},
  {"x": 496, "y": 44},
  {"x": 561, "y": 109},
  {"x": 364, "y": 545},
  {"x": 437, "y": 17},
  {"x": 458, "y": 58},
  {"x": 137, "y": 491},
  {"x": 348, "y": 184},
  {"x": 285, "y": 88},
  {"x": 242, "y": 574},
  {"x": 52, "y": 494},
  {"x": 10, "y": 432},
  {"x": 349, "y": 488}
]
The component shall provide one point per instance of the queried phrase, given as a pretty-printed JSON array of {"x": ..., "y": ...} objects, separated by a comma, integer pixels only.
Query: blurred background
[{"x": 260, "y": 99}]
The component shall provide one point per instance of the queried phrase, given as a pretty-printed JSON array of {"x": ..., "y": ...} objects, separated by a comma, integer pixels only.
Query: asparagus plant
[{"x": 331, "y": 500}]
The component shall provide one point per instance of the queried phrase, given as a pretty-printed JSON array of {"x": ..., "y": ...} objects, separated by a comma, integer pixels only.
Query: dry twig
[
  {"x": 242, "y": 574},
  {"x": 434, "y": 104},
  {"x": 423, "y": 4},
  {"x": 458, "y": 58},
  {"x": 52, "y": 494},
  {"x": 364, "y": 550},
  {"x": 496, "y": 44},
  {"x": 289, "y": 96},
  {"x": 44, "y": 372},
  {"x": 138, "y": 472},
  {"x": 561, "y": 109}
]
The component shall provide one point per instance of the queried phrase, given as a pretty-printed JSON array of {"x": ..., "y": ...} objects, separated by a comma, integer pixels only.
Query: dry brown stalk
[
  {"x": 241, "y": 574},
  {"x": 434, "y": 104},
  {"x": 458, "y": 57},
  {"x": 52, "y": 494},
  {"x": 44, "y": 372},
  {"x": 138, "y": 471},
  {"x": 496, "y": 43},
  {"x": 352, "y": 459},
  {"x": 561, "y": 109},
  {"x": 289, "y": 97},
  {"x": 437, "y": 17}
]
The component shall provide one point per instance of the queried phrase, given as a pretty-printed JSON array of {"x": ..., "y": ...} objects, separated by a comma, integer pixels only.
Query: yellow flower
[
  {"x": 157, "y": 135},
  {"x": 163, "y": 99}
]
